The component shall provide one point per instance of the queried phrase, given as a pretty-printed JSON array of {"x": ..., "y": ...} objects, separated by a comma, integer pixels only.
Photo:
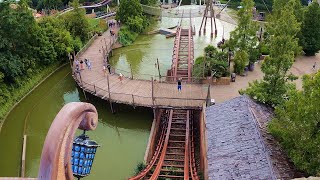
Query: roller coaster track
[
  {"x": 100, "y": 4},
  {"x": 174, "y": 155},
  {"x": 183, "y": 53}
]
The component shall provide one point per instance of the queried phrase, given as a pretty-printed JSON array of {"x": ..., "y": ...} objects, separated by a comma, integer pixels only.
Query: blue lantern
[{"x": 83, "y": 152}]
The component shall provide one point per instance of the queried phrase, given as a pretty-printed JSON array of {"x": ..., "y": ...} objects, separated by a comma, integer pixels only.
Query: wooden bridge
[
  {"x": 183, "y": 54},
  {"x": 158, "y": 92}
]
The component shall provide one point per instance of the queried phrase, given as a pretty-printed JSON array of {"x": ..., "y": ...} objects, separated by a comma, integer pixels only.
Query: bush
[
  {"x": 297, "y": 126},
  {"x": 216, "y": 64},
  {"x": 135, "y": 24},
  {"x": 126, "y": 37},
  {"x": 139, "y": 168},
  {"x": 241, "y": 59}
]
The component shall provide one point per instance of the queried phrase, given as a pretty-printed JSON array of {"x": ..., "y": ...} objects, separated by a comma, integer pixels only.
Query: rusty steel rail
[
  {"x": 193, "y": 169},
  {"x": 176, "y": 57},
  {"x": 164, "y": 149},
  {"x": 186, "y": 148},
  {"x": 155, "y": 156},
  {"x": 174, "y": 156}
]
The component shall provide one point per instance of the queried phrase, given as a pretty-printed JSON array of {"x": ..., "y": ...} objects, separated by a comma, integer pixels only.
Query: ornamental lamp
[{"x": 82, "y": 156}]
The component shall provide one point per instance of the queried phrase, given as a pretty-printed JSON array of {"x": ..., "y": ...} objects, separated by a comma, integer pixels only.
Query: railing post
[
  {"x": 94, "y": 87},
  {"x": 152, "y": 91},
  {"x": 159, "y": 69},
  {"x": 133, "y": 101},
  {"x": 131, "y": 71},
  {"x": 208, "y": 97},
  {"x": 110, "y": 101},
  {"x": 80, "y": 77}
]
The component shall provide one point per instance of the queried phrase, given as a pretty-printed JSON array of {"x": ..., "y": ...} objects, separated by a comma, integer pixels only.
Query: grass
[
  {"x": 97, "y": 25},
  {"x": 18, "y": 94}
]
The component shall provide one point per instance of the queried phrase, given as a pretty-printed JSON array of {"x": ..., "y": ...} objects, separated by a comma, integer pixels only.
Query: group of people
[{"x": 79, "y": 64}]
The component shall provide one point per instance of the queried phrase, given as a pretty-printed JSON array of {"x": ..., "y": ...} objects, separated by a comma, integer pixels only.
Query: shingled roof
[{"x": 235, "y": 147}]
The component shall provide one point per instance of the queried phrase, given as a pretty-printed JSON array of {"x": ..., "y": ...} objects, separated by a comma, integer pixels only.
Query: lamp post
[{"x": 83, "y": 153}]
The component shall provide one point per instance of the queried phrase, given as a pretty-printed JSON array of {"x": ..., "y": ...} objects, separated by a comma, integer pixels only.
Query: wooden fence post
[
  {"x": 110, "y": 101},
  {"x": 152, "y": 91},
  {"x": 133, "y": 101},
  {"x": 208, "y": 97},
  {"x": 159, "y": 69},
  {"x": 131, "y": 71}
]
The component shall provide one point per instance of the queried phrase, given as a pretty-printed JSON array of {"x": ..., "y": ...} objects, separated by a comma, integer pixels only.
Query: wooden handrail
[
  {"x": 186, "y": 149},
  {"x": 174, "y": 74},
  {"x": 164, "y": 149},
  {"x": 189, "y": 56},
  {"x": 55, "y": 160}
]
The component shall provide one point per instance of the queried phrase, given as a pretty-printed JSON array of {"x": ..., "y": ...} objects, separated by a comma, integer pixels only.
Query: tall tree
[
  {"x": 77, "y": 23},
  {"x": 283, "y": 29},
  {"x": 297, "y": 126},
  {"x": 129, "y": 8},
  {"x": 243, "y": 38},
  {"x": 310, "y": 30}
]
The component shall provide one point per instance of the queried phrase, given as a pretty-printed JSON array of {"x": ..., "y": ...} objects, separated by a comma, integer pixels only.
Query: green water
[
  {"x": 143, "y": 53},
  {"x": 123, "y": 137}
]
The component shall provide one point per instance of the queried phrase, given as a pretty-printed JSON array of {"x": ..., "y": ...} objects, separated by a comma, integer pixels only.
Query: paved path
[
  {"x": 134, "y": 92},
  {"x": 302, "y": 66}
]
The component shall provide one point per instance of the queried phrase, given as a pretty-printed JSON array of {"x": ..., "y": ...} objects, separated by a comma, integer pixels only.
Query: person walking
[
  {"x": 81, "y": 64},
  {"x": 77, "y": 62},
  {"x": 86, "y": 62},
  {"x": 120, "y": 77},
  {"x": 314, "y": 66},
  {"x": 179, "y": 85},
  {"x": 109, "y": 68},
  {"x": 89, "y": 64},
  {"x": 104, "y": 70}
]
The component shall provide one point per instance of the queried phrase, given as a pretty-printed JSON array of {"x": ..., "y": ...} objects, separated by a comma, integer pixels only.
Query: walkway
[
  {"x": 301, "y": 66},
  {"x": 131, "y": 91}
]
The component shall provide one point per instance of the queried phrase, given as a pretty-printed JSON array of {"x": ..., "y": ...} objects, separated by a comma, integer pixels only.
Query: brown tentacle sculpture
[{"x": 56, "y": 153}]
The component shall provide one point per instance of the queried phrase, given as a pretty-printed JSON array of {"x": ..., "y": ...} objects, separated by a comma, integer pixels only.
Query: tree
[
  {"x": 297, "y": 125},
  {"x": 215, "y": 65},
  {"x": 57, "y": 35},
  {"x": 77, "y": 23},
  {"x": 283, "y": 30},
  {"x": 243, "y": 38},
  {"x": 135, "y": 24},
  {"x": 129, "y": 8},
  {"x": 241, "y": 59},
  {"x": 310, "y": 30}
]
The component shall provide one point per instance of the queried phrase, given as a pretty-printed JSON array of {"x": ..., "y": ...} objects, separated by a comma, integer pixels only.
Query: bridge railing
[
  {"x": 148, "y": 77},
  {"x": 151, "y": 99}
]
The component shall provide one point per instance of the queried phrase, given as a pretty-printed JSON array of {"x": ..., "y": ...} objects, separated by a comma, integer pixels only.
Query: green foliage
[
  {"x": 30, "y": 50},
  {"x": 283, "y": 29},
  {"x": 97, "y": 25},
  {"x": 297, "y": 126},
  {"x": 130, "y": 14},
  {"x": 310, "y": 30},
  {"x": 244, "y": 38},
  {"x": 77, "y": 23},
  {"x": 127, "y": 9},
  {"x": 148, "y": 2},
  {"x": 264, "y": 49},
  {"x": 126, "y": 37},
  {"x": 215, "y": 65},
  {"x": 140, "y": 167},
  {"x": 135, "y": 24},
  {"x": 241, "y": 60}
]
